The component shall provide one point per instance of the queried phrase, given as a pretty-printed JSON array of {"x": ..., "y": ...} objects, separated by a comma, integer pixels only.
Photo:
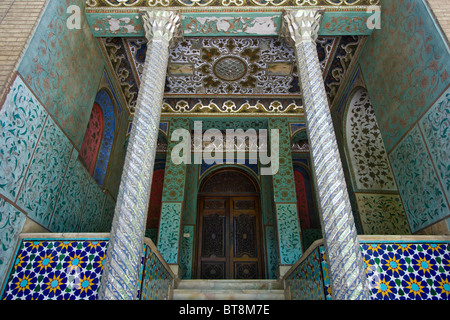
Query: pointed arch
[
  {"x": 99, "y": 137},
  {"x": 92, "y": 138},
  {"x": 368, "y": 161}
]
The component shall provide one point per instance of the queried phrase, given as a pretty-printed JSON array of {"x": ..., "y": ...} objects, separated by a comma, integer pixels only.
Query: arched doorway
[{"x": 229, "y": 234}]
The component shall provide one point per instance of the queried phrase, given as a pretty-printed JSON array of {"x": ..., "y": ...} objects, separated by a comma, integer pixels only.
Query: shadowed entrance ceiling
[{"x": 230, "y": 74}]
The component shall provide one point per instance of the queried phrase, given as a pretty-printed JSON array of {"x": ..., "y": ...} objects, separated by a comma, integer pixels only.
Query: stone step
[
  {"x": 229, "y": 290},
  {"x": 196, "y": 294},
  {"x": 230, "y": 284}
]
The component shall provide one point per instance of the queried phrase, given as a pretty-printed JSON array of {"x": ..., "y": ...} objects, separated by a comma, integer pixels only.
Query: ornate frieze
[
  {"x": 239, "y": 22},
  {"x": 227, "y": 3},
  {"x": 226, "y": 106}
]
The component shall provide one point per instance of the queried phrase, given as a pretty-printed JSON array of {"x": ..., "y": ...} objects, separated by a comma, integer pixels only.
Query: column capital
[
  {"x": 300, "y": 25},
  {"x": 162, "y": 25}
]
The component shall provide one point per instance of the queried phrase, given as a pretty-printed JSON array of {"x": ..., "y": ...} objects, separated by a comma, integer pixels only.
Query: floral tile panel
[
  {"x": 22, "y": 118},
  {"x": 11, "y": 223}
]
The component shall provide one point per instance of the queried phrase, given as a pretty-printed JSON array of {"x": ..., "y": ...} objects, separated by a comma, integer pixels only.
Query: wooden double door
[{"x": 229, "y": 237}]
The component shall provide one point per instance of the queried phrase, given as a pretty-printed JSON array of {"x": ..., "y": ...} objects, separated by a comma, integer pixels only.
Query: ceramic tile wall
[
  {"x": 156, "y": 279},
  {"x": 11, "y": 224},
  {"x": 43, "y": 117},
  {"x": 408, "y": 271},
  {"x": 408, "y": 84},
  {"x": 71, "y": 269},
  {"x": 63, "y": 67},
  {"x": 63, "y": 269},
  {"x": 398, "y": 270},
  {"x": 41, "y": 177},
  {"x": 422, "y": 195},
  {"x": 306, "y": 282}
]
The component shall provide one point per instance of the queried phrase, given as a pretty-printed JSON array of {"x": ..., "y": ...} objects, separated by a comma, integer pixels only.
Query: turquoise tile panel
[
  {"x": 406, "y": 66},
  {"x": 11, "y": 224},
  {"x": 435, "y": 126},
  {"x": 422, "y": 196},
  {"x": 92, "y": 213},
  {"x": 288, "y": 233},
  {"x": 169, "y": 231},
  {"x": 271, "y": 252},
  {"x": 108, "y": 213},
  {"x": 187, "y": 252},
  {"x": 71, "y": 199},
  {"x": 22, "y": 118},
  {"x": 45, "y": 176},
  {"x": 63, "y": 67}
]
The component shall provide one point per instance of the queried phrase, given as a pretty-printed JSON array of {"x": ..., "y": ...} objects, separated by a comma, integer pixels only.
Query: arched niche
[
  {"x": 98, "y": 140},
  {"x": 364, "y": 147}
]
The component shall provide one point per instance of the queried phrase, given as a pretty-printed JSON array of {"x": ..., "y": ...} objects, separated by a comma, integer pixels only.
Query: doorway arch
[{"x": 229, "y": 239}]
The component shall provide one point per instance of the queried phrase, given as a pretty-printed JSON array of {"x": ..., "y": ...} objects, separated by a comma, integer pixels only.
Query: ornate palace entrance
[{"x": 229, "y": 240}]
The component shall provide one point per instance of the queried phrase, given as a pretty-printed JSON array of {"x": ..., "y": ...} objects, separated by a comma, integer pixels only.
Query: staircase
[{"x": 229, "y": 290}]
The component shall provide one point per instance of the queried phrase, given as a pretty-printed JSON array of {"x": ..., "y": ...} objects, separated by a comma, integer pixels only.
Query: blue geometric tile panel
[
  {"x": 71, "y": 269},
  {"x": 62, "y": 269},
  {"x": 408, "y": 271},
  {"x": 414, "y": 270}
]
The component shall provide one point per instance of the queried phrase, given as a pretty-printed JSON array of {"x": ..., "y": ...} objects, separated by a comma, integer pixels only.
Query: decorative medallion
[{"x": 230, "y": 68}]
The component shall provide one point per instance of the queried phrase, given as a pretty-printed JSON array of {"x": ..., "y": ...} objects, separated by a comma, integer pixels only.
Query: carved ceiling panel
[{"x": 236, "y": 68}]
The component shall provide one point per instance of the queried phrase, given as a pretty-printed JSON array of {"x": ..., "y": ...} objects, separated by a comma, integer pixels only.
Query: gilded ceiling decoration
[
  {"x": 231, "y": 66},
  {"x": 230, "y": 74}
]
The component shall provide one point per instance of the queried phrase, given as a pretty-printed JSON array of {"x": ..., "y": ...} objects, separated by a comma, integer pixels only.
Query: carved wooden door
[{"x": 229, "y": 238}]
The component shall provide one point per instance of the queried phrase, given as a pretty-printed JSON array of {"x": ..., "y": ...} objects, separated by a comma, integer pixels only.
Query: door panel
[
  {"x": 229, "y": 244},
  {"x": 213, "y": 240},
  {"x": 246, "y": 270},
  {"x": 213, "y": 270},
  {"x": 245, "y": 236}
]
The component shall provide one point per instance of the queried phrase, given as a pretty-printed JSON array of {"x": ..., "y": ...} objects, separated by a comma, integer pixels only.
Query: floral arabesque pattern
[
  {"x": 411, "y": 69},
  {"x": 435, "y": 128},
  {"x": 370, "y": 164},
  {"x": 423, "y": 199},
  {"x": 382, "y": 214},
  {"x": 58, "y": 60}
]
